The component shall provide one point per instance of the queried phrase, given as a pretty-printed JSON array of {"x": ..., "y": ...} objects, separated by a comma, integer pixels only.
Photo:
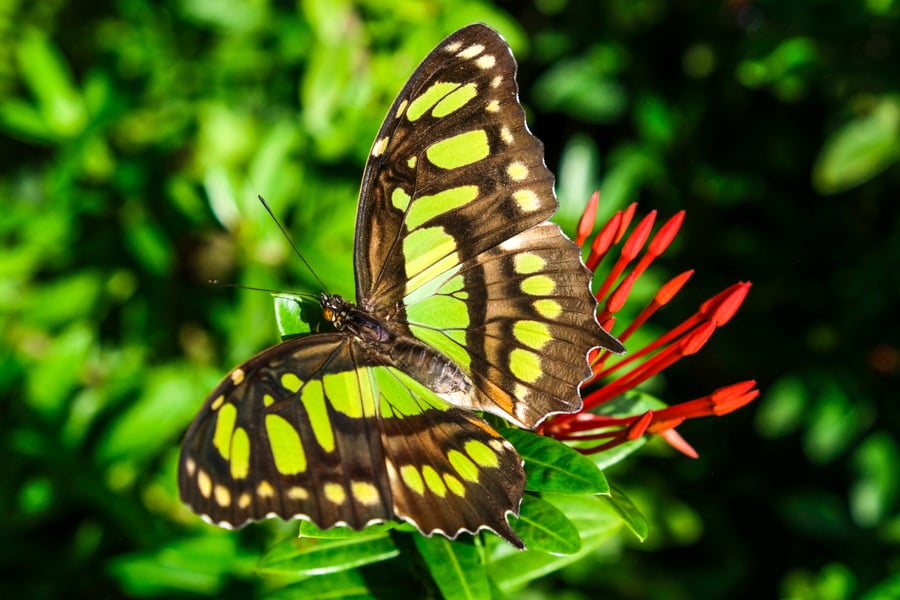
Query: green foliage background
[{"x": 136, "y": 136}]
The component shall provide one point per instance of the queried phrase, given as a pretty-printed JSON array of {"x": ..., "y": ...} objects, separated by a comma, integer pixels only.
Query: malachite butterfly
[{"x": 468, "y": 300}]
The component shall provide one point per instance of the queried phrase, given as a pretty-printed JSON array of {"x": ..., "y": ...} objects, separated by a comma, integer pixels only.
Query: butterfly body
[{"x": 467, "y": 300}]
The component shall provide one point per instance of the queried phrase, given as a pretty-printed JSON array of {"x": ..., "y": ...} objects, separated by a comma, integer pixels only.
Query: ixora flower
[{"x": 604, "y": 421}]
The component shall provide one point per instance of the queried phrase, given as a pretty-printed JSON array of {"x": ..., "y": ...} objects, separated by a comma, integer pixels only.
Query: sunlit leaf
[
  {"x": 297, "y": 315},
  {"x": 544, "y": 527},
  {"x": 552, "y": 466},
  {"x": 310, "y": 556},
  {"x": 200, "y": 565},
  {"x": 307, "y": 529},
  {"x": 626, "y": 509},
  {"x": 455, "y": 567},
  {"x": 348, "y": 584}
]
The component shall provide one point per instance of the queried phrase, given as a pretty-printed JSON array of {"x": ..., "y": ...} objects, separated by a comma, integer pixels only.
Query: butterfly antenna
[
  {"x": 291, "y": 242},
  {"x": 276, "y": 293}
]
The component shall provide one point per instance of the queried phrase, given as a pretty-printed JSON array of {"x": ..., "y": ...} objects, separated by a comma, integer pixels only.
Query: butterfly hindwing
[
  {"x": 310, "y": 428},
  {"x": 266, "y": 444}
]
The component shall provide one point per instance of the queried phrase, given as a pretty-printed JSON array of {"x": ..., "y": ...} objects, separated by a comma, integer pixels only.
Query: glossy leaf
[
  {"x": 309, "y": 556},
  {"x": 348, "y": 584},
  {"x": 544, "y": 527},
  {"x": 296, "y": 315},
  {"x": 596, "y": 521},
  {"x": 552, "y": 466},
  {"x": 456, "y": 567},
  {"x": 634, "y": 520},
  {"x": 308, "y": 530}
]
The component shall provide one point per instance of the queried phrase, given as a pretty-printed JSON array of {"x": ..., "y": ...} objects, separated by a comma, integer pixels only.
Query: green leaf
[
  {"x": 593, "y": 516},
  {"x": 630, "y": 514},
  {"x": 61, "y": 368},
  {"x": 310, "y": 556},
  {"x": 200, "y": 565},
  {"x": 456, "y": 567},
  {"x": 296, "y": 314},
  {"x": 544, "y": 527},
  {"x": 783, "y": 408},
  {"x": 834, "y": 423},
  {"x": 860, "y": 149},
  {"x": 21, "y": 119},
  {"x": 47, "y": 75},
  {"x": 554, "y": 467},
  {"x": 169, "y": 399},
  {"x": 595, "y": 519},
  {"x": 877, "y": 483},
  {"x": 309, "y": 530},
  {"x": 341, "y": 585},
  {"x": 578, "y": 88}
]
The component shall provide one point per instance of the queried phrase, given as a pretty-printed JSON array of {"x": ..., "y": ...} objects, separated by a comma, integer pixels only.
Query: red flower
[{"x": 615, "y": 375}]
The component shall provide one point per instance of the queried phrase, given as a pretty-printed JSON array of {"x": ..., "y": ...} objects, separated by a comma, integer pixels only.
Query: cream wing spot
[
  {"x": 527, "y": 200},
  {"x": 521, "y": 392},
  {"x": 222, "y": 496},
  {"x": 472, "y": 51},
  {"x": 244, "y": 500},
  {"x": 493, "y": 106},
  {"x": 218, "y": 402},
  {"x": 297, "y": 493},
  {"x": 380, "y": 146},
  {"x": 453, "y": 47},
  {"x": 506, "y": 135},
  {"x": 498, "y": 446},
  {"x": 517, "y": 170},
  {"x": 237, "y": 376},
  {"x": 334, "y": 493},
  {"x": 190, "y": 465},
  {"x": 265, "y": 489},
  {"x": 204, "y": 483},
  {"x": 486, "y": 62},
  {"x": 365, "y": 493},
  {"x": 496, "y": 81},
  {"x": 401, "y": 109}
]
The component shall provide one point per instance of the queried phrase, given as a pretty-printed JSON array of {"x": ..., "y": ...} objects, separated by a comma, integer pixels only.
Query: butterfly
[{"x": 468, "y": 300}]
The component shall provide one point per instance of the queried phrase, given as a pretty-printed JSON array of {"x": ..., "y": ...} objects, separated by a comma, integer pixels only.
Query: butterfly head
[{"x": 334, "y": 309}]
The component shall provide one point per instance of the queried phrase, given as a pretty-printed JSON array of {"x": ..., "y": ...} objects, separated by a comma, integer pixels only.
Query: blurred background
[{"x": 136, "y": 135}]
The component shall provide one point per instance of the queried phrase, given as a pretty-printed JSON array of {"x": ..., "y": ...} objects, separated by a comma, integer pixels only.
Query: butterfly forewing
[
  {"x": 453, "y": 170},
  {"x": 449, "y": 243}
]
